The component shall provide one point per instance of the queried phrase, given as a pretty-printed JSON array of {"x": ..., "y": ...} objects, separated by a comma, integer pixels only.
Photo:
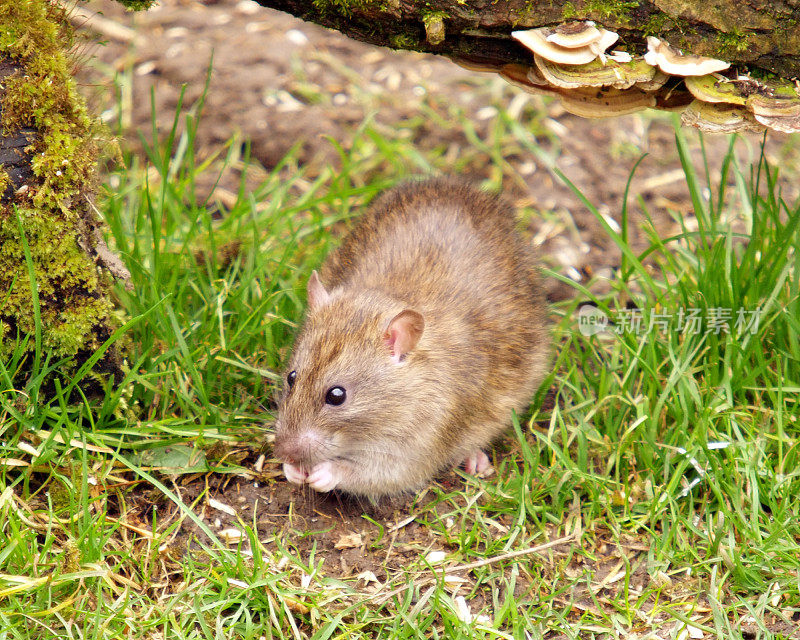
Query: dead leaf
[{"x": 348, "y": 541}]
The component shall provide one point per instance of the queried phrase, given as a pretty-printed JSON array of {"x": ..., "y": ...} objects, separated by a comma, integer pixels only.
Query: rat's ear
[
  {"x": 317, "y": 296},
  {"x": 403, "y": 333}
]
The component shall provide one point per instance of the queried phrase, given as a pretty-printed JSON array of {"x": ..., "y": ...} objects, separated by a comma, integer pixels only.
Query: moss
[
  {"x": 59, "y": 494},
  {"x": 618, "y": 10},
  {"x": 346, "y": 8},
  {"x": 68, "y": 285},
  {"x": 433, "y": 15},
  {"x": 403, "y": 41},
  {"x": 44, "y": 98},
  {"x": 41, "y": 95},
  {"x": 5, "y": 182},
  {"x": 656, "y": 24},
  {"x": 732, "y": 42},
  {"x": 137, "y": 5}
]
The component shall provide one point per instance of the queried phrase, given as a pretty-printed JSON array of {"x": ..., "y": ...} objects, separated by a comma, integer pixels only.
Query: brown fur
[{"x": 451, "y": 253}]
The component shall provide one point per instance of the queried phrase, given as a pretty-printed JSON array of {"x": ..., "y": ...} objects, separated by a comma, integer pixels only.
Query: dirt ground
[{"x": 278, "y": 81}]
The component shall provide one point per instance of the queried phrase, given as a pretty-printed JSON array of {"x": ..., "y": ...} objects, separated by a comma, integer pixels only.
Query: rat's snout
[{"x": 299, "y": 447}]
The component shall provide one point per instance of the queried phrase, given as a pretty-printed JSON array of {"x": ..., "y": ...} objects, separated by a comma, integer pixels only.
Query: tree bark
[
  {"x": 754, "y": 34},
  {"x": 51, "y": 288}
]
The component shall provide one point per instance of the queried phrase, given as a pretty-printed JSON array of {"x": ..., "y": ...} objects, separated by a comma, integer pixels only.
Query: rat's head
[{"x": 349, "y": 387}]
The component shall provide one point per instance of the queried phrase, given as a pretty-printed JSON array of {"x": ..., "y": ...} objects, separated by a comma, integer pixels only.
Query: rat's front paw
[
  {"x": 323, "y": 477},
  {"x": 477, "y": 462},
  {"x": 294, "y": 473}
]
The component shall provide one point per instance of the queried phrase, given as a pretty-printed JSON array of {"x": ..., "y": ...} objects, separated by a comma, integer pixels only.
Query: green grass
[
  {"x": 666, "y": 527},
  {"x": 635, "y": 410}
]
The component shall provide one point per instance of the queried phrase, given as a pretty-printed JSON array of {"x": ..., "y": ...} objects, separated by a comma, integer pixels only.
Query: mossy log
[
  {"x": 49, "y": 233},
  {"x": 759, "y": 34}
]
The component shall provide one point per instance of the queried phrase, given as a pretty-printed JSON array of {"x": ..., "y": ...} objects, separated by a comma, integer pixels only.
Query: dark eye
[
  {"x": 291, "y": 378},
  {"x": 335, "y": 396}
]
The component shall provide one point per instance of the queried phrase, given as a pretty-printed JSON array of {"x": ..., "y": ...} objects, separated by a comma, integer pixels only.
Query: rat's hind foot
[{"x": 477, "y": 462}]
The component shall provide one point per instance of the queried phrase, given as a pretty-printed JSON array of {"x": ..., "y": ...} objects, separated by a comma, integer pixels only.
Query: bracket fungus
[
  {"x": 571, "y": 43},
  {"x": 712, "y": 88},
  {"x": 571, "y": 62},
  {"x": 620, "y": 75},
  {"x": 620, "y": 56},
  {"x": 606, "y": 102},
  {"x": 719, "y": 118},
  {"x": 478, "y": 63},
  {"x": 574, "y": 35},
  {"x": 784, "y": 124},
  {"x": 528, "y": 79},
  {"x": 779, "y": 109},
  {"x": 772, "y": 103},
  {"x": 671, "y": 61},
  {"x": 775, "y": 100}
]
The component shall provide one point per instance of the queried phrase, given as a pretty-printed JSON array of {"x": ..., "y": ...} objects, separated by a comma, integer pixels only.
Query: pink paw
[
  {"x": 294, "y": 473},
  {"x": 323, "y": 477},
  {"x": 477, "y": 462}
]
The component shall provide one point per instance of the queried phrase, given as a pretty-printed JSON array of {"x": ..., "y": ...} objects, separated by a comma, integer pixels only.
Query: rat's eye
[
  {"x": 291, "y": 378},
  {"x": 335, "y": 396}
]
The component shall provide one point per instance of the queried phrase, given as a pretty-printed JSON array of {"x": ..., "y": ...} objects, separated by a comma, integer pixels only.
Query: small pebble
[{"x": 435, "y": 557}]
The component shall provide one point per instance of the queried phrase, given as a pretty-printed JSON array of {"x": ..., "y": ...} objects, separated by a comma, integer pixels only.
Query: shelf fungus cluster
[{"x": 572, "y": 61}]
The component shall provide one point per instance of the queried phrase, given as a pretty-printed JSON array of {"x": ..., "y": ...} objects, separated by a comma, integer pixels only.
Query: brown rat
[{"x": 424, "y": 330}]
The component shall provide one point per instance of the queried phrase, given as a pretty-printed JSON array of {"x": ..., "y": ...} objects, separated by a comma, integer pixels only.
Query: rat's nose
[
  {"x": 286, "y": 451},
  {"x": 296, "y": 448}
]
